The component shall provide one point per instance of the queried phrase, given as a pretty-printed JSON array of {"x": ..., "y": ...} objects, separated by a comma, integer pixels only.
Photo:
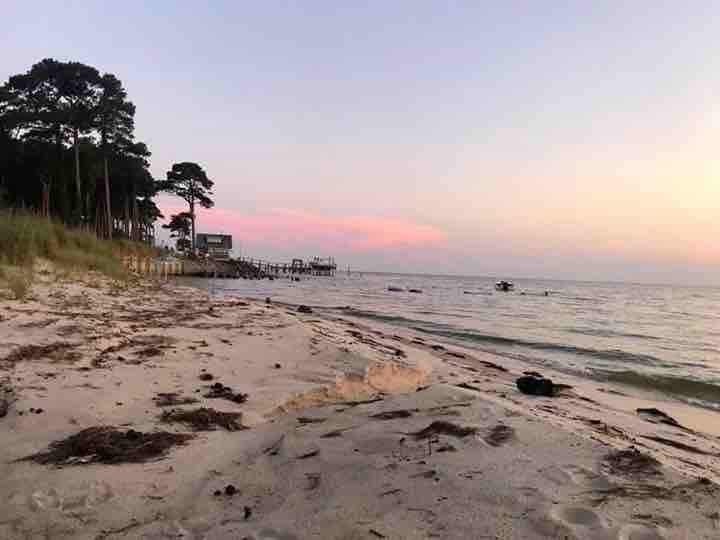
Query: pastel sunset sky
[{"x": 554, "y": 139}]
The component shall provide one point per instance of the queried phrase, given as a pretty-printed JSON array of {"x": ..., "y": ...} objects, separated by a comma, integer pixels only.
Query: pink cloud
[{"x": 287, "y": 228}]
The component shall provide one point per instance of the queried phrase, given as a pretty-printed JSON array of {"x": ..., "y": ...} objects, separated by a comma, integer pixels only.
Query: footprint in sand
[
  {"x": 582, "y": 521},
  {"x": 634, "y": 531},
  {"x": 587, "y": 478},
  {"x": 83, "y": 496}
]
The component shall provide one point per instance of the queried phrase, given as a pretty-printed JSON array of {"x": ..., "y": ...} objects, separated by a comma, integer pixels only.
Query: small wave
[
  {"x": 602, "y": 332},
  {"x": 615, "y": 355},
  {"x": 687, "y": 388}
]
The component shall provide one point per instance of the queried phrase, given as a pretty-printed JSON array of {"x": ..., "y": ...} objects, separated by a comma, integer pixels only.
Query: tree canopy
[
  {"x": 189, "y": 181},
  {"x": 68, "y": 150}
]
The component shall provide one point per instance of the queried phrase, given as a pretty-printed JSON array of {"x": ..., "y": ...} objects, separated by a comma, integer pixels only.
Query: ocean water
[{"x": 664, "y": 338}]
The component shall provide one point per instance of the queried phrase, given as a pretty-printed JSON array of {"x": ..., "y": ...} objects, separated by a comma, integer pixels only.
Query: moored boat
[{"x": 504, "y": 286}]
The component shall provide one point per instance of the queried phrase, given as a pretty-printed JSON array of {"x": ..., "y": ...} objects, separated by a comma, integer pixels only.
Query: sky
[{"x": 570, "y": 140}]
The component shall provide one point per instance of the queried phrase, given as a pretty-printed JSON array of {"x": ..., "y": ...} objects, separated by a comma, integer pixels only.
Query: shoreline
[{"x": 343, "y": 397}]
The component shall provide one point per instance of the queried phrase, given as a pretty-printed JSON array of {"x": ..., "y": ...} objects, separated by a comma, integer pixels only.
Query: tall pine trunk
[
  {"x": 78, "y": 187},
  {"x": 108, "y": 213},
  {"x": 192, "y": 226}
]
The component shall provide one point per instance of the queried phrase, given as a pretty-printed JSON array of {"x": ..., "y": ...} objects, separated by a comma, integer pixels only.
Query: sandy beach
[{"x": 241, "y": 419}]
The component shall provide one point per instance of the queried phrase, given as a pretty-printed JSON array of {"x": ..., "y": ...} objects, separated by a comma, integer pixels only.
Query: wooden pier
[
  {"x": 317, "y": 266},
  {"x": 247, "y": 268}
]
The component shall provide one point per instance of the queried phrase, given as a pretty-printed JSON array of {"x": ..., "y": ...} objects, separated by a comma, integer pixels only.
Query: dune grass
[{"x": 25, "y": 238}]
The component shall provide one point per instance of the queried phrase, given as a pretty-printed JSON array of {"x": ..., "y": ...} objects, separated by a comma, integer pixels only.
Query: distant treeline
[{"x": 68, "y": 150}]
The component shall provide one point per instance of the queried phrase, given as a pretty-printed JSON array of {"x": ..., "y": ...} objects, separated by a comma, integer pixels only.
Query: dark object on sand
[
  {"x": 392, "y": 415},
  {"x": 657, "y": 416},
  {"x": 441, "y": 427},
  {"x": 220, "y": 391},
  {"x": 632, "y": 461},
  {"x": 310, "y": 420},
  {"x": 206, "y": 377},
  {"x": 267, "y": 300},
  {"x": 278, "y": 365},
  {"x": 204, "y": 419},
  {"x": 4, "y": 406},
  {"x": 172, "y": 399},
  {"x": 247, "y": 512},
  {"x": 415, "y": 291},
  {"x": 499, "y": 435},
  {"x": 217, "y": 492},
  {"x": 538, "y": 386},
  {"x": 392, "y": 288},
  {"x": 230, "y": 490},
  {"x": 304, "y": 309},
  {"x": 106, "y": 444}
]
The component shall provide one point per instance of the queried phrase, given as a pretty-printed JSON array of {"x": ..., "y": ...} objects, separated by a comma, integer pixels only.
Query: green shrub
[
  {"x": 17, "y": 280},
  {"x": 25, "y": 237}
]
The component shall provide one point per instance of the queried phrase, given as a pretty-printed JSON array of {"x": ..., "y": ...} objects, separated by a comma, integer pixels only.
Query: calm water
[{"x": 661, "y": 337}]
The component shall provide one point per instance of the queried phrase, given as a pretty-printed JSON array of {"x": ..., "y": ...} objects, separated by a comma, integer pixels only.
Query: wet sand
[{"x": 339, "y": 430}]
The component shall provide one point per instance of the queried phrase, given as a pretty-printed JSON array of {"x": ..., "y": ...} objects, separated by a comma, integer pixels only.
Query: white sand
[{"x": 542, "y": 475}]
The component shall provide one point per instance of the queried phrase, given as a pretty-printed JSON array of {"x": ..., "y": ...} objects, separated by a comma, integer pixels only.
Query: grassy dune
[{"x": 26, "y": 238}]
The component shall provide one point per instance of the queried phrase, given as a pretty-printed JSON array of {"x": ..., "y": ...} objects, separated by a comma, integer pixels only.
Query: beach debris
[
  {"x": 656, "y": 416},
  {"x": 468, "y": 386},
  {"x": 313, "y": 480},
  {"x": 392, "y": 415},
  {"x": 304, "y": 309},
  {"x": 391, "y": 492},
  {"x": 539, "y": 386},
  {"x": 455, "y": 354},
  {"x": 107, "y": 444},
  {"x": 310, "y": 420},
  {"x": 267, "y": 300},
  {"x": 277, "y": 365},
  {"x": 499, "y": 435},
  {"x": 309, "y": 454},
  {"x": 230, "y": 490},
  {"x": 377, "y": 534},
  {"x": 415, "y": 291},
  {"x": 4, "y": 406},
  {"x": 247, "y": 512},
  {"x": 631, "y": 461},
  {"x": 447, "y": 447},
  {"x": 220, "y": 391},
  {"x": 206, "y": 377},
  {"x": 392, "y": 288},
  {"x": 204, "y": 419},
  {"x": 274, "y": 449},
  {"x": 172, "y": 399},
  {"x": 442, "y": 427}
]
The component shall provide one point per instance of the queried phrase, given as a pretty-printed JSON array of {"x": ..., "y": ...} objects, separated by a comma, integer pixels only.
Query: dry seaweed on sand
[
  {"x": 204, "y": 419},
  {"x": 172, "y": 399},
  {"x": 58, "y": 351},
  {"x": 392, "y": 415},
  {"x": 442, "y": 427},
  {"x": 499, "y": 435},
  {"x": 631, "y": 461},
  {"x": 656, "y": 416},
  {"x": 107, "y": 444},
  {"x": 678, "y": 445},
  {"x": 220, "y": 391}
]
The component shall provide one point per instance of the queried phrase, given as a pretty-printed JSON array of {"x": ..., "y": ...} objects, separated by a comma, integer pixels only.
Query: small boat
[{"x": 504, "y": 286}]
